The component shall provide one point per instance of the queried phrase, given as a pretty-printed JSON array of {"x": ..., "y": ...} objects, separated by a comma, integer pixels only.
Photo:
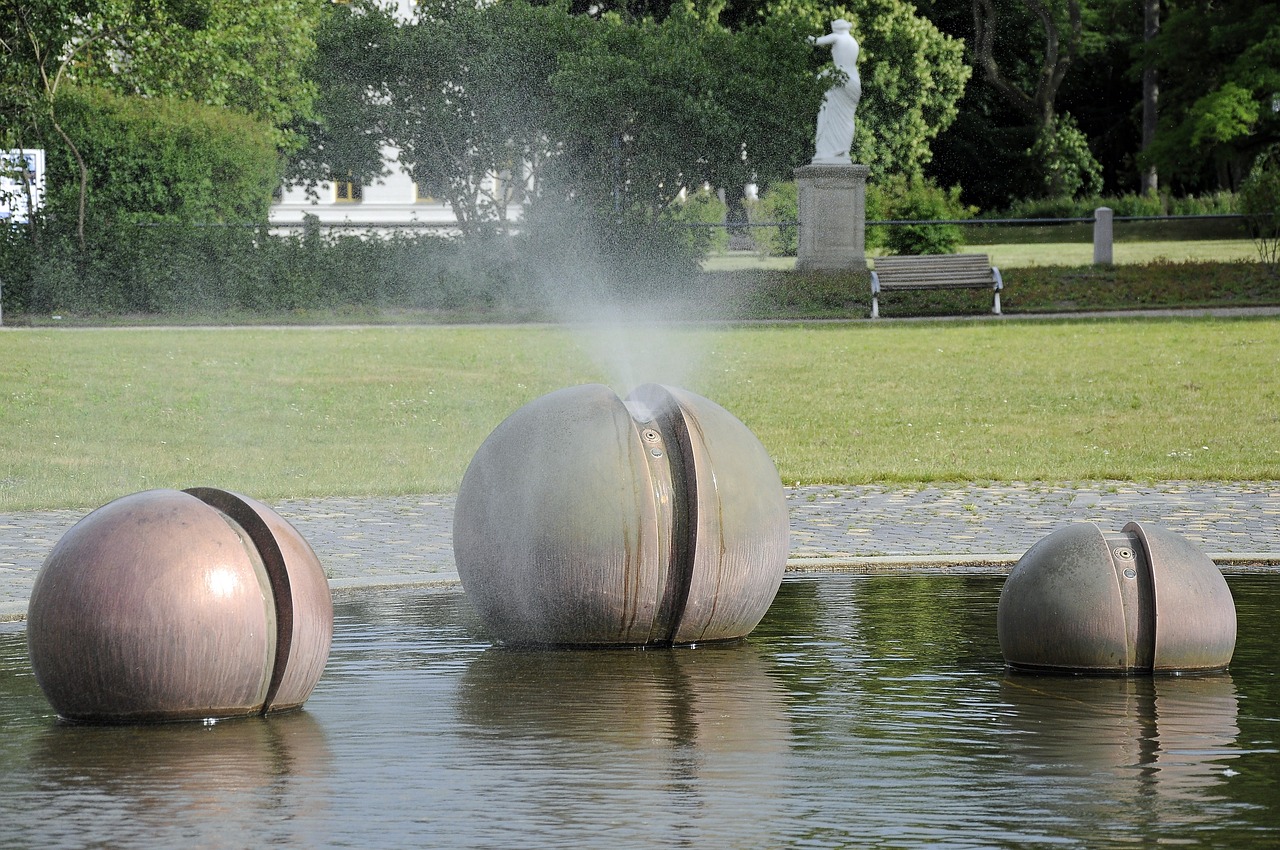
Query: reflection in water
[
  {"x": 1176, "y": 729},
  {"x": 865, "y": 711},
  {"x": 239, "y": 780},
  {"x": 1164, "y": 741},
  {"x": 703, "y": 731}
]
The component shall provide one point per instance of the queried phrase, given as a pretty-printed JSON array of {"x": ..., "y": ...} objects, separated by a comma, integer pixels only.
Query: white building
[
  {"x": 393, "y": 199},
  {"x": 20, "y": 170}
]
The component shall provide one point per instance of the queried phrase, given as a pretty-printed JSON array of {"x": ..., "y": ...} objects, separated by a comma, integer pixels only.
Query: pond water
[{"x": 864, "y": 711}]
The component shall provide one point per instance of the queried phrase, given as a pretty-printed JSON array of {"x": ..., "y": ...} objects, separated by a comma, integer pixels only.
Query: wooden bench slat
[
  {"x": 986, "y": 277},
  {"x": 936, "y": 285}
]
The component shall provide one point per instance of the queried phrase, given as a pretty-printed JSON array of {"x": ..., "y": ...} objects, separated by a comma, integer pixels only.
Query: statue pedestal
[{"x": 833, "y": 217}]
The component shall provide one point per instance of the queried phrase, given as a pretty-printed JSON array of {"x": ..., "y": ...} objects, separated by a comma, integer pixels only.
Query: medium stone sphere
[
  {"x": 1144, "y": 600},
  {"x": 174, "y": 605},
  {"x": 588, "y": 520}
]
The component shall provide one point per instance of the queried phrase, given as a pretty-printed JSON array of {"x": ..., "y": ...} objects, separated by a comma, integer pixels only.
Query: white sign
[{"x": 21, "y": 183}]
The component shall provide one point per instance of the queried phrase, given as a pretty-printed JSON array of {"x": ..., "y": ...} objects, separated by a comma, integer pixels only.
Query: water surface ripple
[{"x": 865, "y": 711}]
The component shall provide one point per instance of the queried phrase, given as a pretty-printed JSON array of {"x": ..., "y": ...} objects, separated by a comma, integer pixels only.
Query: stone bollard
[{"x": 1102, "y": 236}]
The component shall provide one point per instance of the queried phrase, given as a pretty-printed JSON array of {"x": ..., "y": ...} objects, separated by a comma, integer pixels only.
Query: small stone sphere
[
  {"x": 588, "y": 520},
  {"x": 176, "y": 605},
  {"x": 1143, "y": 600}
]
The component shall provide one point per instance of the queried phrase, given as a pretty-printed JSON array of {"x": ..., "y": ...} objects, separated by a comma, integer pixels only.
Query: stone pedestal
[{"x": 833, "y": 217}]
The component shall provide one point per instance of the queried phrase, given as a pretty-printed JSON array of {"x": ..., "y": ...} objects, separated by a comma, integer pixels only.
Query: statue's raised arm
[{"x": 835, "y": 119}]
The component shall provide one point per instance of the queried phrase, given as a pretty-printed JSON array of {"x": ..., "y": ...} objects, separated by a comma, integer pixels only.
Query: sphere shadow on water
[
  {"x": 1144, "y": 600},
  {"x": 588, "y": 520},
  {"x": 179, "y": 605}
]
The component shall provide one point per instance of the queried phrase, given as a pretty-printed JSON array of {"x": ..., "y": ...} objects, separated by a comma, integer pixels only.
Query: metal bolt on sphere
[
  {"x": 587, "y": 520},
  {"x": 179, "y": 605},
  {"x": 1144, "y": 600}
]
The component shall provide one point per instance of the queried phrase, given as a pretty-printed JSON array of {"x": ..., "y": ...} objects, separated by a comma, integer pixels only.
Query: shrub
[
  {"x": 184, "y": 270},
  {"x": 1218, "y": 203},
  {"x": 1260, "y": 202},
  {"x": 1129, "y": 204},
  {"x": 897, "y": 198},
  {"x": 1070, "y": 167},
  {"x": 701, "y": 215},
  {"x": 571, "y": 251},
  {"x": 779, "y": 203},
  {"x": 914, "y": 199}
]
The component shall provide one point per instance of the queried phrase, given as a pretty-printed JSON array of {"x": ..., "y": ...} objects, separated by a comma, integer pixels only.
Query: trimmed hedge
[
  {"x": 178, "y": 270},
  {"x": 247, "y": 274}
]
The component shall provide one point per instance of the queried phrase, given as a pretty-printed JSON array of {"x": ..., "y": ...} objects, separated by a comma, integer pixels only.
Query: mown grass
[
  {"x": 90, "y": 415},
  {"x": 1019, "y": 255}
]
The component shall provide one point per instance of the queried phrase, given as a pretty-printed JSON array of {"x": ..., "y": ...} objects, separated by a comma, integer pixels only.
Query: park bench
[{"x": 934, "y": 271}]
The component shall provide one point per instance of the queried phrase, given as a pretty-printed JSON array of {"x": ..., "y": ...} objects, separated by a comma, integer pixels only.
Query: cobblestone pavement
[{"x": 366, "y": 542}]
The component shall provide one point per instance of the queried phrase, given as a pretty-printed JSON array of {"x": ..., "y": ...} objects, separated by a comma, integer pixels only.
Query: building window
[
  {"x": 421, "y": 197},
  {"x": 347, "y": 192}
]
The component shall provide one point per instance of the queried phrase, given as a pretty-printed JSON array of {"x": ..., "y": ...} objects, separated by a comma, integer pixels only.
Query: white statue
[{"x": 835, "y": 119}]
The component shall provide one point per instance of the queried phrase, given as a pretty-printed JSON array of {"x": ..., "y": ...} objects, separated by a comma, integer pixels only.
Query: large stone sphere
[
  {"x": 172, "y": 605},
  {"x": 588, "y": 520},
  {"x": 1142, "y": 600}
]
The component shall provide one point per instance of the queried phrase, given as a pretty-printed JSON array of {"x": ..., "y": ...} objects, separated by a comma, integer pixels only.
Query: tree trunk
[
  {"x": 1150, "y": 93},
  {"x": 1059, "y": 50},
  {"x": 84, "y": 179}
]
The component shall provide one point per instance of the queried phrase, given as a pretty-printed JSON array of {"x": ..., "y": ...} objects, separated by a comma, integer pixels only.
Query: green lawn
[
  {"x": 90, "y": 415},
  {"x": 1014, "y": 256}
]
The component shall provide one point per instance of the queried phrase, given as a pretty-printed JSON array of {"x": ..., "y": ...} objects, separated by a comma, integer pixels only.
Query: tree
[
  {"x": 1219, "y": 65},
  {"x": 473, "y": 106},
  {"x": 607, "y": 110},
  {"x": 249, "y": 56},
  {"x": 645, "y": 110},
  {"x": 359, "y": 51},
  {"x": 40, "y": 42},
  {"x": 1260, "y": 202},
  {"x": 1059, "y": 144},
  {"x": 217, "y": 52},
  {"x": 1150, "y": 94}
]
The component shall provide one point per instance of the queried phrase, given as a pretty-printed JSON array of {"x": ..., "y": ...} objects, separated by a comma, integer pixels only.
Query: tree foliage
[
  {"x": 473, "y": 104},
  {"x": 1220, "y": 79},
  {"x": 613, "y": 110},
  {"x": 647, "y": 109},
  {"x": 247, "y": 59},
  {"x": 249, "y": 56}
]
